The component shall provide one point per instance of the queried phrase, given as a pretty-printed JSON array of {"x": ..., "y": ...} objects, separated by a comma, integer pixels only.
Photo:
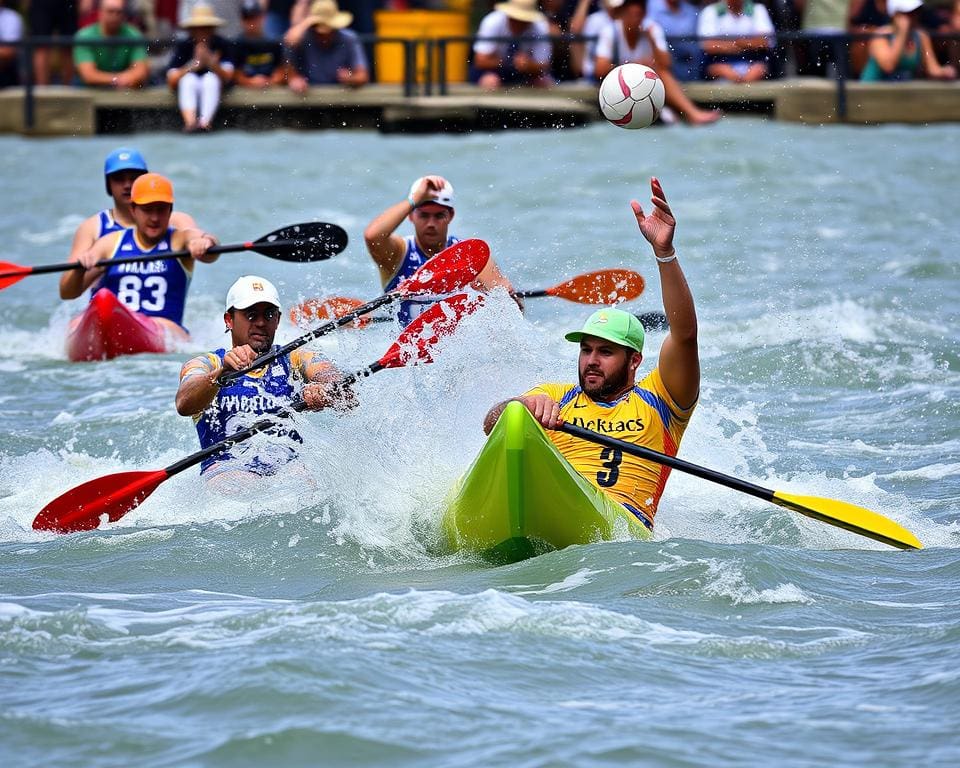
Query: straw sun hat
[
  {"x": 326, "y": 13},
  {"x": 521, "y": 10},
  {"x": 202, "y": 16}
]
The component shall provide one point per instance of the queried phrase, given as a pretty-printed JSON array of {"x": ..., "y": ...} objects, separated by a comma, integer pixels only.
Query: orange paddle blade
[
  {"x": 81, "y": 508},
  {"x": 308, "y": 312},
  {"x": 605, "y": 286}
]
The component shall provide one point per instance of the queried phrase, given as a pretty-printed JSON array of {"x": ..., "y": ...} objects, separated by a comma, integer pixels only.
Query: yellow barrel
[{"x": 414, "y": 25}]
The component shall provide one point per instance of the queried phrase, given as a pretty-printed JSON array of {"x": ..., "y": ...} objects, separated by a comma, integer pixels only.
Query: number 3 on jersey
[
  {"x": 612, "y": 458},
  {"x": 132, "y": 288}
]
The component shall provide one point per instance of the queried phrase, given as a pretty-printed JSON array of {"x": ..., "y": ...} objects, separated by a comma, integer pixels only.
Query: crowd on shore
[{"x": 298, "y": 44}]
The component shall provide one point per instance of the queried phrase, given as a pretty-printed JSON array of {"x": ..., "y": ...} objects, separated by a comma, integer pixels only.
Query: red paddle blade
[
  {"x": 81, "y": 508},
  {"x": 415, "y": 343},
  {"x": 606, "y": 286},
  {"x": 307, "y": 313},
  {"x": 11, "y": 273},
  {"x": 449, "y": 270}
]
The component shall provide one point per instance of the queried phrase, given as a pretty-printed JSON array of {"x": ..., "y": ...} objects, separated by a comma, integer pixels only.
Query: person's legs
[
  {"x": 187, "y": 95},
  {"x": 209, "y": 99},
  {"x": 679, "y": 100}
]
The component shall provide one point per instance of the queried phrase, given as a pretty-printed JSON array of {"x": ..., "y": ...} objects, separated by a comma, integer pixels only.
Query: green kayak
[{"x": 521, "y": 498}]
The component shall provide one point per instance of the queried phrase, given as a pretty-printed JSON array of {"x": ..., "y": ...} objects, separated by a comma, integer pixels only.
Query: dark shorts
[{"x": 53, "y": 16}]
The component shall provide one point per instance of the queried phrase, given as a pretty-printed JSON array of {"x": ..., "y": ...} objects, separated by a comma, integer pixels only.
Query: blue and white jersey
[
  {"x": 107, "y": 223},
  {"x": 246, "y": 399},
  {"x": 413, "y": 259},
  {"x": 155, "y": 288}
]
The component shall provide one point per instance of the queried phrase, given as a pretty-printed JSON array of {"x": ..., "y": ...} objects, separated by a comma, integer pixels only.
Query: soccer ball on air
[{"x": 631, "y": 96}]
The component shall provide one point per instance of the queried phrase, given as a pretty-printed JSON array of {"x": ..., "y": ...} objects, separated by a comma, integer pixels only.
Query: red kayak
[{"x": 107, "y": 329}]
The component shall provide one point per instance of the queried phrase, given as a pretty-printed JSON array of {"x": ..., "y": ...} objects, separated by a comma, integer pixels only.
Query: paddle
[
  {"x": 81, "y": 508},
  {"x": 605, "y": 286},
  {"x": 449, "y": 270},
  {"x": 340, "y": 306},
  {"x": 838, "y": 513},
  {"x": 307, "y": 242}
]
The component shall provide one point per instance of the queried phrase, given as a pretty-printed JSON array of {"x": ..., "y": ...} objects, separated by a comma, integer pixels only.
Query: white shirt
[
  {"x": 594, "y": 25},
  {"x": 535, "y": 39},
  {"x": 11, "y": 25},
  {"x": 606, "y": 47},
  {"x": 713, "y": 24}
]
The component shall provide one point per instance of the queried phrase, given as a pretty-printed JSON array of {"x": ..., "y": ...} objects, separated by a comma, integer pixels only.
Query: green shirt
[{"x": 109, "y": 58}]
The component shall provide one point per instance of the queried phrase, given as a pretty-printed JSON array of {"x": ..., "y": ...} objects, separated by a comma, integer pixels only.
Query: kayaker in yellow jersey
[
  {"x": 654, "y": 412},
  {"x": 430, "y": 208},
  {"x": 121, "y": 168},
  {"x": 154, "y": 288}
]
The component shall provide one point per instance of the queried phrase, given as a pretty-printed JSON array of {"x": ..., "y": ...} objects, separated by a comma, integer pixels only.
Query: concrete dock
[{"x": 59, "y": 111}]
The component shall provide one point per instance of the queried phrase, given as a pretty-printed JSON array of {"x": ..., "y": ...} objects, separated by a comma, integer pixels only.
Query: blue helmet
[{"x": 123, "y": 160}]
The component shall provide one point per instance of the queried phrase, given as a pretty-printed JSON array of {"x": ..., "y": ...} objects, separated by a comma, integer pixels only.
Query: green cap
[{"x": 613, "y": 325}]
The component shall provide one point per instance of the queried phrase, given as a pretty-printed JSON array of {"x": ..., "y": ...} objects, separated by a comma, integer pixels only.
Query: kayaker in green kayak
[{"x": 652, "y": 413}]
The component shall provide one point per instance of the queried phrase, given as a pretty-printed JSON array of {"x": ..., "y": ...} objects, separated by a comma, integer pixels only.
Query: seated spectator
[
  {"x": 49, "y": 17},
  {"x": 11, "y": 30},
  {"x": 866, "y": 17},
  {"x": 824, "y": 21},
  {"x": 678, "y": 18},
  {"x": 905, "y": 51},
  {"x": 590, "y": 25},
  {"x": 324, "y": 52},
  {"x": 199, "y": 69},
  {"x": 111, "y": 66},
  {"x": 744, "y": 59},
  {"x": 258, "y": 62},
  {"x": 524, "y": 60},
  {"x": 636, "y": 38}
]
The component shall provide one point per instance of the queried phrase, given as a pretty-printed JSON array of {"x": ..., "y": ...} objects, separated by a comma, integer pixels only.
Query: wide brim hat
[
  {"x": 326, "y": 13},
  {"x": 521, "y": 10},
  {"x": 202, "y": 16}
]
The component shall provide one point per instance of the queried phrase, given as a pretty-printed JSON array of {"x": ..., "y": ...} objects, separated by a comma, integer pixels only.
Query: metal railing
[{"x": 435, "y": 74}]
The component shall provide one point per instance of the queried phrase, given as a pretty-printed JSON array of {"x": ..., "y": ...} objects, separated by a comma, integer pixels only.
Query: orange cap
[{"x": 152, "y": 188}]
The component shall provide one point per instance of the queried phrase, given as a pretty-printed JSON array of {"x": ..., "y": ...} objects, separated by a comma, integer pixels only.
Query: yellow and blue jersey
[
  {"x": 245, "y": 399},
  {"x": 646, "y": 415}
]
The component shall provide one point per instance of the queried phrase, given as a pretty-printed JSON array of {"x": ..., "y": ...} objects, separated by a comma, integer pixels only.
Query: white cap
[
  {"x": 250, "y": 290},
  {"x": 444, "y": 197},
  {"x": 614, "y": 3},
  {"x": 903, "y": 6}
]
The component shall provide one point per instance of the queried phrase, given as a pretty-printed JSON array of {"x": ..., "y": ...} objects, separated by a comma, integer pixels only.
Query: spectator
[
  {"x": 324, "y": 52},
  {"x": 46, "y": 18},
  {"x": 524, "y": 60},
  {"x": 744, "y": 59},
  {"x": 824, "y": 21},
  {"x": 199, "y": 69},
  {"x": 279, "y": 18},
  {"x": 639, "y": 39},
  {"x": 678, "y": 18},
  {"x": 951, "y": 26},
  {"x": 905, "y": 51},
  {"x": 258, "y": 61},
  {"x": 11, "y": 30},
  {"x": 866, "y": 17},
  {"x": 228, "y": 11},
  {"x": 115, "y": 66},
  {"x": 584, "y": 54}
]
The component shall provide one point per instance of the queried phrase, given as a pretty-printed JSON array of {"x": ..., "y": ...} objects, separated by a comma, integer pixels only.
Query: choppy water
[{"x": 314, "y": 621}]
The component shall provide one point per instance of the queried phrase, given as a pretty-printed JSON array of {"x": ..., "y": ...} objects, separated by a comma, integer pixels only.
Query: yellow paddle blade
[{"x": 850, "y": 517}]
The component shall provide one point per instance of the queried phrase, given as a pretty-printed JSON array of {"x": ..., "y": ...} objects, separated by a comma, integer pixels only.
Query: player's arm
[
  {"x": 197, "y": 242},
  {"x": 544, "y": 409},
  {"x": 76, "y": 281},
  {"x": 198, "y": 384}
]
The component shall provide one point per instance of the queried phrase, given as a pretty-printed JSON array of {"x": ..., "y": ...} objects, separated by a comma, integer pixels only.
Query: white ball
[{"x": 631, "y": 96}]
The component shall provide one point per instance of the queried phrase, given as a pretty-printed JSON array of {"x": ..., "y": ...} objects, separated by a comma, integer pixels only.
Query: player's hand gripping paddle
[
  {"x": 113, "y": 496},
  {"x": 307, "y": 242}
]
